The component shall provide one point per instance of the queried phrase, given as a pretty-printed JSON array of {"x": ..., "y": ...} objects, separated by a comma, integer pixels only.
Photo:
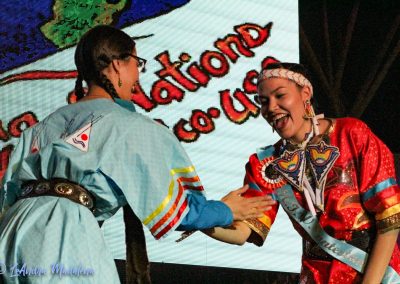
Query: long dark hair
[{"x": 95, "y": 51}]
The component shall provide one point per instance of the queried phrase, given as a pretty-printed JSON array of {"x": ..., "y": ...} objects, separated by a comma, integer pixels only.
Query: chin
[{"x": 284, "y": 135}]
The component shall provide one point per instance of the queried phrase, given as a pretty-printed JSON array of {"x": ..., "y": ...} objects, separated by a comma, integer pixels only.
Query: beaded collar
[{"x": 306, "y": 165}]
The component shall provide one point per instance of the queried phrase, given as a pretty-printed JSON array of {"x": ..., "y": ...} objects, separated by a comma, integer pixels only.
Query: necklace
[
  {"x": 306, "y": 166},
  {"x": 302, "y": 145}
]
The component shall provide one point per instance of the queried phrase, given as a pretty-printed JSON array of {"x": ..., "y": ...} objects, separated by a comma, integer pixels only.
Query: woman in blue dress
[{"x": 85, "y": 161}]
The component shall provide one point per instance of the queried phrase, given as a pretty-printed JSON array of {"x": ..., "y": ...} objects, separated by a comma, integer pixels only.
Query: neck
[
  {"x": 304, "y": 137},
  {"x": 96, "y": 92}
]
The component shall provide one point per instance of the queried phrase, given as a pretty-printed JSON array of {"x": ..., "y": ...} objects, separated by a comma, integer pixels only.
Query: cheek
[
  {"x": 264, "y": 110},
  {"x": 131, "y": 77},
  {"x": 294, "y": 105},
  {"x": 264, "y": 113},
  {"x": 135, "y": 75},
  {"x": 131, "y": 72}
]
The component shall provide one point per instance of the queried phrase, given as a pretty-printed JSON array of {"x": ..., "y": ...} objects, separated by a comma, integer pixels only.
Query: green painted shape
[{"x": 72, "y": 18}]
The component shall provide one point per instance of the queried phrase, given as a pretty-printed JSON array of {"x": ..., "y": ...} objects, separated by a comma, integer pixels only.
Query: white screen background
[{"x": 220, "y": 156}]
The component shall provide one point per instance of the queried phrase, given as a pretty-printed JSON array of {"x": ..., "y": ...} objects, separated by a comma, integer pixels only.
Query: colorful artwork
[{"x": 42, "y": 28}]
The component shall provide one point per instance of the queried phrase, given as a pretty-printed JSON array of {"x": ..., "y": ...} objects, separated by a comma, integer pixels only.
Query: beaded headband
[{"x": 298, "y": 78}]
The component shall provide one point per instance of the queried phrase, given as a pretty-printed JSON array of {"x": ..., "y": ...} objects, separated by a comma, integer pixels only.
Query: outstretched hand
[{"x": 247, "y": 208}]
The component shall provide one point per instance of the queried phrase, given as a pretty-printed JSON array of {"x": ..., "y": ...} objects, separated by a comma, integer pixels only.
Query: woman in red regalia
[{"x": 333, "y": 177}]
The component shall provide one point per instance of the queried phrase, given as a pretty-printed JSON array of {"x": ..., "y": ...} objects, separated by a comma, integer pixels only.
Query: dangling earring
[
  {"x": 119, "y": 82},
  {"x": 309, "y": 110}
]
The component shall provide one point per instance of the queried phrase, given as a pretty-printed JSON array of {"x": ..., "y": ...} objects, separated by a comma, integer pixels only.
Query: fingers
[
  {"x": 258, "y": 212},
  {"x": 261, "y": 210},
  {"x": 264, "y": 201},
  {"x": 257, "y": 199},
  {"x": 235, "y": 193},
  {"x": 247, "y": 208},
  {"x": 259, "y": 202},
  {"x": 256, "y": 209},
  {"x": 241, "y": 190}
]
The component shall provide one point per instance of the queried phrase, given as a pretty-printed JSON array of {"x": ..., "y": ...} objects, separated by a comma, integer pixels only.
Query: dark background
[{"x": 351, "y": 49}]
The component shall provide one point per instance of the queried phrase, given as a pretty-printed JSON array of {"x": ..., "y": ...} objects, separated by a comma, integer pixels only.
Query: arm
[
  {"x": 247, "y": 207},
  {"x": 253, "y": 230},
  {"x": 380, "y": 195},
  {"x": 380, "y": 257},
  {"x": 204, "y": 214},
  {"x": 237, "y": 234}
]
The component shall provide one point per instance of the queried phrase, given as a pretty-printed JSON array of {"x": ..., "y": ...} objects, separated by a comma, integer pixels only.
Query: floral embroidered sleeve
[
  {"x": 379, "y": 190},
  {"x": 260, "y": 185}
]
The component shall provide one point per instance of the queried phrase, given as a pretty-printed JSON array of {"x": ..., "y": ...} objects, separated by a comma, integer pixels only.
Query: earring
[
  {"x": 309, "y": 110},
  {"x": 119, "y": 82}
]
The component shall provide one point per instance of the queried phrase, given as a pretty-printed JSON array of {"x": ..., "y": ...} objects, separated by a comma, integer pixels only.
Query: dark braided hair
[
  {"x": 107, "y": 85},
  {"x": 95, "y": 51},
  {"x": 79, "y": 92}
]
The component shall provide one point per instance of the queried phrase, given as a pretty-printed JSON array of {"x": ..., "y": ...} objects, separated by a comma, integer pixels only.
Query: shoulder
[
  {"x": 266, "y": 153},
  {"x": 351, "y": 126},
  {"x": 350, "y": 123},
  {"x": 259, "y": 168},
  {"x": 133, "y": 125},
  {"x": 353, "y": 131}
]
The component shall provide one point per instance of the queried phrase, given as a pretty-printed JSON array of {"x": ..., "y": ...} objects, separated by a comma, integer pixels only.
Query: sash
[{"x": 346, "y": 253}]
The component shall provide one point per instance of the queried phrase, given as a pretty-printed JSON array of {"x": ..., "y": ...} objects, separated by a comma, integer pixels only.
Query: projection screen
[{"x": 203, "y": 59}]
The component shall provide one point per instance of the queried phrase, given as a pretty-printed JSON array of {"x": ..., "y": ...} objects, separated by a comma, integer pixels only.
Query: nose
[{"x": 272, "y": 105}]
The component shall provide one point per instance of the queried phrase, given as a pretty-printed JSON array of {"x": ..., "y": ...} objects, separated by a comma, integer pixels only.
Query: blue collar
[{"x": 126, "y": 104}]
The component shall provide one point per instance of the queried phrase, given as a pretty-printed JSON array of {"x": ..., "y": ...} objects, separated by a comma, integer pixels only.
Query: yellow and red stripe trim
[{"x": 184, "y": 183}]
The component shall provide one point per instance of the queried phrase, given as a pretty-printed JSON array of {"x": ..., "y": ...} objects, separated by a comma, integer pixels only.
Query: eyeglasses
[
  {"x": 261, "y": 100},
  {"x": 141, "y": 63}
]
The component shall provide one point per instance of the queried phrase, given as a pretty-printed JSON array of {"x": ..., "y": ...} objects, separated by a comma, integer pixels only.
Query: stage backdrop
[{"x": 203, "y": 59}]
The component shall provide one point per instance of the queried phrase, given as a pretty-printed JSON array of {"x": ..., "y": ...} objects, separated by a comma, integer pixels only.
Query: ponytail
[{"x": 79, "y": 92}]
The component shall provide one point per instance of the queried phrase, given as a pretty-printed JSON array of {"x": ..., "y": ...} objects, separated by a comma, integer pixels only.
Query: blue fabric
[
  {"x": 346, "y": 253},
  {"x": 126, "y": 158},
  {"x": 378, "y": 188},
  {"x": 205, "y": 214},
  {"x": 265, "y": 152}
]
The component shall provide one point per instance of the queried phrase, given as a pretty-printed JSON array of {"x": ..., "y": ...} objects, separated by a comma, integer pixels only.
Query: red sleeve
[
  {"x": 261, "y": 182},
  {"x": 377, "y": 183}
]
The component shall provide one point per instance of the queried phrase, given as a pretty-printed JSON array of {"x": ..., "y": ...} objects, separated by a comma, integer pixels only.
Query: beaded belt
[{"x": 60, "y": 188}]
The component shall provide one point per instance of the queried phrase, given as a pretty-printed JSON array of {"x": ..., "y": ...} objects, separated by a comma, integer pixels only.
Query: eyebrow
[{"x": 274, "y": 91}]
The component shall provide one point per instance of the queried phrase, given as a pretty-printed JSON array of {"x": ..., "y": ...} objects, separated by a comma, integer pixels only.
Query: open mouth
[{"x": 280, "y": 120}]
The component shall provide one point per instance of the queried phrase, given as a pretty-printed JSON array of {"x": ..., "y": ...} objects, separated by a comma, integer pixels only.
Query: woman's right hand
[{"x": 247, "y": 207}]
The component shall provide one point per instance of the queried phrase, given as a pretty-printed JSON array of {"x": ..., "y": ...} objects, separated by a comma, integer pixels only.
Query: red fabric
[{"x": 364, "y": 162}]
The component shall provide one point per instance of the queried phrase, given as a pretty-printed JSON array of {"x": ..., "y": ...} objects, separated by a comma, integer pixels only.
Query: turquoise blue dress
[{"x": 118, "y": 155}]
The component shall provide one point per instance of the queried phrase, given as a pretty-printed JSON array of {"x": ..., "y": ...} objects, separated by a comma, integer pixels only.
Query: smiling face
[{"x": 283, "y": 107}]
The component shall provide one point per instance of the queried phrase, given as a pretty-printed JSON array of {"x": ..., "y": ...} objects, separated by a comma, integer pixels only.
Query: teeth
[{"x": 277, "y": 117}]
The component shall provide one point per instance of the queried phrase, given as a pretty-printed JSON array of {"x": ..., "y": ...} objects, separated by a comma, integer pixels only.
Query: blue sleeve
[{"x": 204, "y": 214}]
